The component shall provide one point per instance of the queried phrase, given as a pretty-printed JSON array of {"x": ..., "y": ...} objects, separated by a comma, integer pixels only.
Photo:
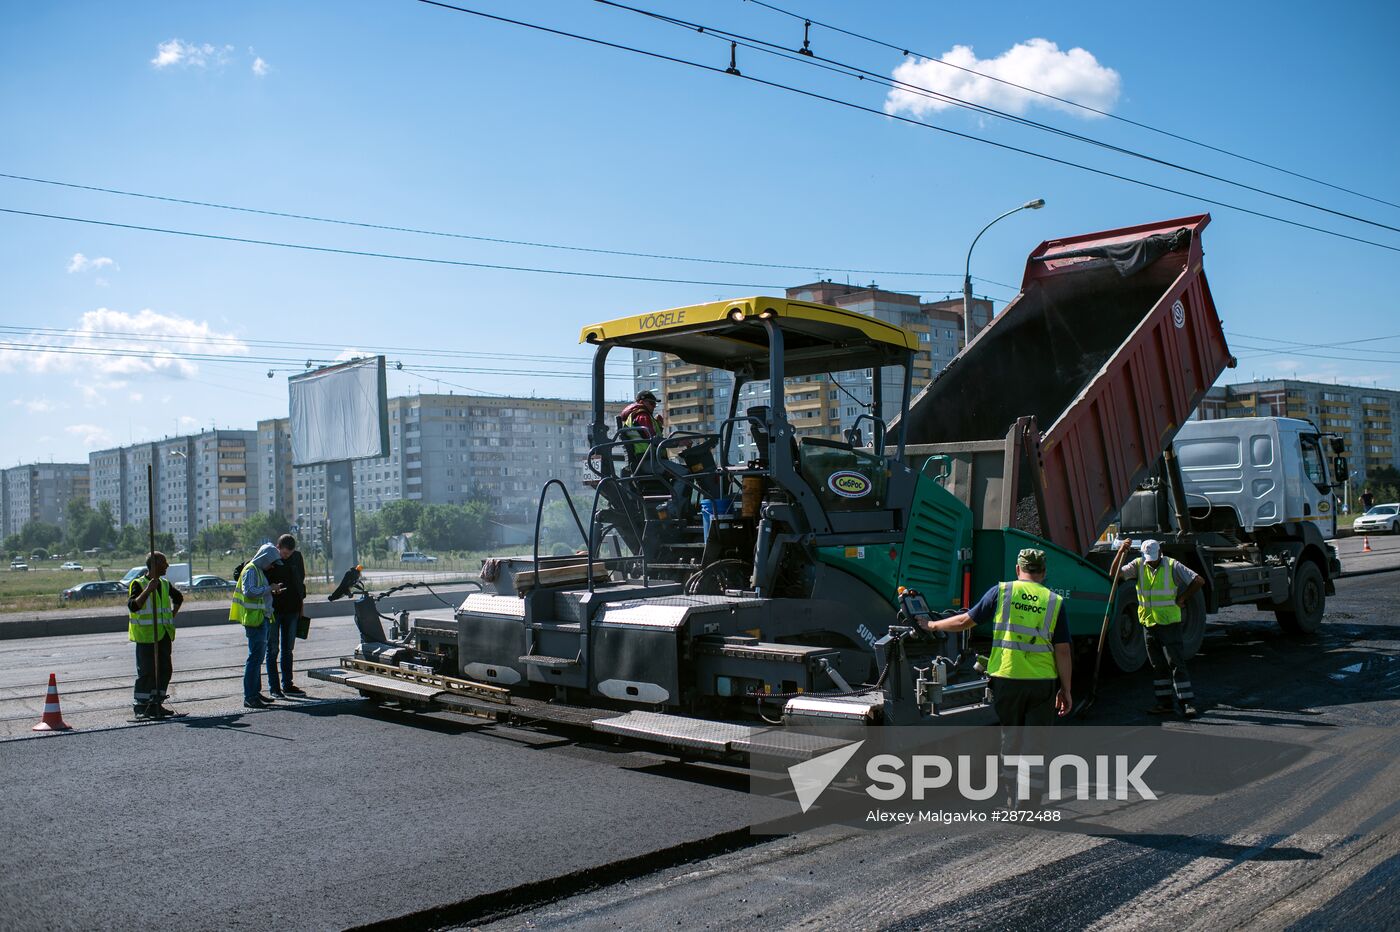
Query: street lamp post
[{"x": 967, "y": 269}]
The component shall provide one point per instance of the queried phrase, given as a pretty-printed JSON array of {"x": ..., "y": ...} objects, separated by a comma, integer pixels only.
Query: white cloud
[
  {"x": 179, "y": 53},
  {"x": 260, "y": 67},
  {"x": 136, "y": 397},
  {"x": 1036, "y": 63},
  {"x": 185, "y": 422},
  {"x": 108, "y": 345},
  {"x": 350, "y": 353},
  {"x": 81, "y": 263},
  {"x": 37, "y": 405},
  {"x": 92, "y": 435}
]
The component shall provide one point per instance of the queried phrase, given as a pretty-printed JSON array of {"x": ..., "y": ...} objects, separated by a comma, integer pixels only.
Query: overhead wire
[
  {"x": 907, "y": 51},
  {"x": 812, "y": 59},
  {"x": 190, "y": 202},
  {"x": 660, "y": 56},
  {"x": 380, "y": 255},
  {"x": 229, "y": 339}
]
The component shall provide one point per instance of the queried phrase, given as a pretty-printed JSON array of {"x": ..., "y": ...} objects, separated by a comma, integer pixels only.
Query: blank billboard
[{"x": 340, "y": 413}]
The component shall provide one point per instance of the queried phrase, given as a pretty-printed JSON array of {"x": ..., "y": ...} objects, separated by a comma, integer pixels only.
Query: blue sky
[{"x": 403, "y": 114}]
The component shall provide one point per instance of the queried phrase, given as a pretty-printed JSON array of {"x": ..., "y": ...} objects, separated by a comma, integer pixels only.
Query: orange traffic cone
[
  {"x": 53, "y": 717},
  {"x": 1365, "y": 545}
]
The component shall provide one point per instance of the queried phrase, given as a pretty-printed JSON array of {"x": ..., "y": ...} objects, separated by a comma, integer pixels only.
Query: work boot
[
  {"x": 294, "y": 690},
  {"x": 141, "y": 711},
  {"x": 1189, "y": 711},
  {"x": 257, "y": 702},
  {"x": 277, "y": 694},
  {"x": 164, "y": 711}
]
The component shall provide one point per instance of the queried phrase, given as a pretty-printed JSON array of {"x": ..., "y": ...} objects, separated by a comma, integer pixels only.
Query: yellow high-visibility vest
[
  {"x": 1026, "y": 615},
  {"x": 247, "y": 610},
  {"x": 1156, "y": 593},
  {"x": 159, "y": 610}
]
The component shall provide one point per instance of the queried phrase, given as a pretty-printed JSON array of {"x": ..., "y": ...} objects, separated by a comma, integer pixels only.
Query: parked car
[
  {"x": 92, "y": 590},
  {"x": 71, "y": 565},
  {"x": 1381, "y": 519},
  {"x": 207, "y": 583},
  {"x": 413, "y": 556},
  {"x": 18, "y": 565}
]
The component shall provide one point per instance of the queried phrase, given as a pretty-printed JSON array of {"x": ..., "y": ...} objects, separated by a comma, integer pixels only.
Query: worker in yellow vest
[
  {"x": 152, "y": 604},
  {"x": 1030, "y": 664},
  {"x": 1164, "y": 587},
  {"x": 1030, "y": 668},
  {"x": 252, "y": 608}
]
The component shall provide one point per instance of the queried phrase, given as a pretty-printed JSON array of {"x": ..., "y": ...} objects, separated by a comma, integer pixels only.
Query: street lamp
[{"x": 967, "y": 269}]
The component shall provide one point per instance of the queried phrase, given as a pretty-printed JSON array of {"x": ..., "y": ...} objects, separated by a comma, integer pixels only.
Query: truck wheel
[
  {"x": 1302, "y": 613},
  {"x": 1126, "y": 646},
  {"x": 1193, "y": 625}
]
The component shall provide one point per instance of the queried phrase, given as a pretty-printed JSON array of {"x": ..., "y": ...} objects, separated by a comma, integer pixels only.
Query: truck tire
[
  {"x": 1193, "y": 625},
  {"x": 1125, "y": 644},
  {"x": 1307, "y": 601}
]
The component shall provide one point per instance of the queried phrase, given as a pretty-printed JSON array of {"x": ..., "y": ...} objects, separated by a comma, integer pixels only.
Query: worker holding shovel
[{"x": 1164, "y": 587}]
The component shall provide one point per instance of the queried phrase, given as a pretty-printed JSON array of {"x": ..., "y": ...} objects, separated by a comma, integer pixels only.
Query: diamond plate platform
[{"x": 676, "y": 730}]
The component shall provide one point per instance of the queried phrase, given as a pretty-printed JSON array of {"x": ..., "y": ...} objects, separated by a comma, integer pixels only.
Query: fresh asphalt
[{"x": 325, "y": 814}]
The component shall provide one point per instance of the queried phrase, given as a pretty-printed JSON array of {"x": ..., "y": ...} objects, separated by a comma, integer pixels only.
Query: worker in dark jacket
[{"x": 286, "y": 612}]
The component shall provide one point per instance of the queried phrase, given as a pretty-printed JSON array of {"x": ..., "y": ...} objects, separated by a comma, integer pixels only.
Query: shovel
[{"x": 1103, "y": 634}]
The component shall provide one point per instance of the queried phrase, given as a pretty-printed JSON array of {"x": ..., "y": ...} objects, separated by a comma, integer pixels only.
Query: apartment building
[
  {"x": 453, "y": 449},
  {"x": 1365, "y": 418},
  {"x": 275, "y": 466},
  {"x": 824, "y": 405},
  {"x": 40, "y": 492},
  {"x": 197, "y": 480}
]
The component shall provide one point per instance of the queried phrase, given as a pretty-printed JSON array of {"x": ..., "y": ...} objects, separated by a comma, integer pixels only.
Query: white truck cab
[{"x": 1266, "y": 470}]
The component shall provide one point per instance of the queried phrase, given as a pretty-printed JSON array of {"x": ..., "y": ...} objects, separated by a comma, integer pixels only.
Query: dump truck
[
  {"x": 716, "y": 588},
  {"x": 1104, "y": 355}
]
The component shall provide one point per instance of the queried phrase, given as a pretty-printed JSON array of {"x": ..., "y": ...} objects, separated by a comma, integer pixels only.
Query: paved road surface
[{"x": 318, "y": 815}]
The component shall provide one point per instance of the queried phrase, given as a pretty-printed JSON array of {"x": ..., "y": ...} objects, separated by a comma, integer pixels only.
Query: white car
[
  {"x": 71, "y": 565},
  {"x": 19, "y": 565},
  {"x": 1381, "y": 519}
]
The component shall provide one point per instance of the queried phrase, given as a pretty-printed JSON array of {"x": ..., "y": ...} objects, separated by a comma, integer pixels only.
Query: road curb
[{"x": 200, "y": 615}]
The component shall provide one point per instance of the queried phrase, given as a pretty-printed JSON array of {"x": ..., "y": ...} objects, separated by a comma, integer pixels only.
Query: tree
[
  {"x": 263, "y": 527},
  {"x": 136, "y": 538},
  {"x": 89, "y": 528},
  {"x": 217, "y": 538},
  {"x": 454, "y": 527},
  {"x": 367, "y": 535},
  {"x": 39, "y": 535},
  {"x": 400, "y": 517}
]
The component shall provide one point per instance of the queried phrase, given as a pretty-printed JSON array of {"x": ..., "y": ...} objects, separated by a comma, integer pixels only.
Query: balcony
[
  {"x": 677, "y": 420},
  {"x": 684, "y": 368},
  {"x": 689, "y": 385},
  {"x": 807, "y": 404}
]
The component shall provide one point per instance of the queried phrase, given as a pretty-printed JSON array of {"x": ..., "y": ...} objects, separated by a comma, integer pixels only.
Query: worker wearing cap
[
  {"x": 152, "y": 604},
  {"x": 642, "y": 414},
  {"x": 1030, "y": 664},
  {"x": 1164, "y": 587}
]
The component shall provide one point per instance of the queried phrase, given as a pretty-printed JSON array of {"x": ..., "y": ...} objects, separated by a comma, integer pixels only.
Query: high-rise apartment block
[
  {"x": 199, "y": 480},
  {"x": 696, "y": 398},
  {"x": 1365, "y": 418},
  {"x": 453, "y": 449},
  {"x": 40, "y": 492}
]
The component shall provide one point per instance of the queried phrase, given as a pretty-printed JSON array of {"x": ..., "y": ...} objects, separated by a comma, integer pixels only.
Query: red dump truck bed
[{"x": 1058, "y": 409}]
